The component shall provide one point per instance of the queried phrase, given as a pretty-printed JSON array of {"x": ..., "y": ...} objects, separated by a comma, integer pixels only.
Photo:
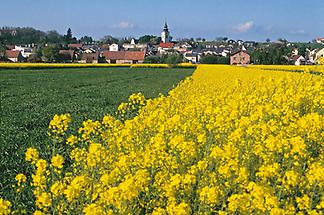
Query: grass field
[{"x": 30, "y": 98}]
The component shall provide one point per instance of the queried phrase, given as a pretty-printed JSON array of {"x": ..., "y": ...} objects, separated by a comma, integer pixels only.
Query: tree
[
  {"x": 86, "y": 39},
  {"x": 145, "y": 38},
  {"x": 54, "y": 37},
  {"x": 268, "y": 40},
  {"x": 2, "y": 49},
  {"x": 214, "y": 59},
  {"x": 274, "y": 54},
  {"x": 50, "y": 53},
  {"x": 153, "y": 59},
  {"x": 68, "y": 36},
  {"x": 10, "y": 35},
  {"x": 109, "y": 39},
  {"x": 174, "y": 59}
]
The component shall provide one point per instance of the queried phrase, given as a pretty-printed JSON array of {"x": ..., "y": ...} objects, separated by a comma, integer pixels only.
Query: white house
[
  {"x": 310, "y": 56},
  {"x": 298, "y": 60},
  {"x": 14, "y": 56},
  {"x": 319, "y": 54},
  {"x": 25, "y": 51},
  {"x": 114, "y": 47},
  {"x": 191, "y": 57},
  {"x": 294, "y": 51},
  {"x": 240, "y": 42},
  {"x": 320, "y": 40}
]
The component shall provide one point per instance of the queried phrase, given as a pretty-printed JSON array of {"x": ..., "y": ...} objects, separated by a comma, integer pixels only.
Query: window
[{"x": 234, "y": 58}]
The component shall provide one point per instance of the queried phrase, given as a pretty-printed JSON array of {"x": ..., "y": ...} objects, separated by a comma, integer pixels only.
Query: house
[
  {"x": 249, "y": 43},
  {"x": 319, "y": 54},
  {"x": 231, "y": 41},
  {"x": 182, "y": 48},
  {"x": 192, "y": 57},
  {"x": 124, "y": 57},
  {"x": 134, "y": 45},
  {"x": 24, "y": 50},
  {"x": 294, "y": 51},
  {"x": 297, "y": 60},
  {"x": 14, "y": 56},
  {"x": 240, "y": 57},
  {"x": 105, "y": 46},
  {"x": 240, "y": 42},
  {"x": 165, "y": 47},
  {"x": 10, "y": 47},
  {"x": 67, "y": 55},
  {"x": 222, "y": 52},
  {"x": 320, "y": 40},
  {"x": 114, "y": 47},
  {"x": 310, "y": 56},
  {"x": 75, "y": 46},
  {"x": 89, "y": 58}
]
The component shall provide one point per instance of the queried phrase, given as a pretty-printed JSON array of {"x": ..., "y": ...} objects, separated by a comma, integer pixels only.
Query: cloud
[
  {"x": 244, "y": 27},
  {"x": 124, "y": 25}
]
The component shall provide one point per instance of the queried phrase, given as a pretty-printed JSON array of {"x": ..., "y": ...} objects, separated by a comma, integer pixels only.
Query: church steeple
[
  {"x": 166, "y": 27},
  {"x": 165, "y": 35}
]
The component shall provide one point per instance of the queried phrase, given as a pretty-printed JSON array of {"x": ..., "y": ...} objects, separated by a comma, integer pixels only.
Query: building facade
[{"x": 240, "y": 57}]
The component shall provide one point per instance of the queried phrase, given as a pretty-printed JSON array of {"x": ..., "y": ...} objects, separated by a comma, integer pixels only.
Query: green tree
[
  {"x": 174, "y": 59},
  {"x": 54, "y": 37},
  {"x": 50, "y": 53},
  {"x": 213, "y": 59},
  {"x": 153, "y": 59},
  {"x": 145, "y": 39},
  {"x": 86, "y": 39},
  {"x": 68, "y": 36},
  {"x": 109, "y": 39}
]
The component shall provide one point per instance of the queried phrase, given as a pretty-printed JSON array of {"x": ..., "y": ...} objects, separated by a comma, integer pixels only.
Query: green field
[{"x": 30, "y": 98}]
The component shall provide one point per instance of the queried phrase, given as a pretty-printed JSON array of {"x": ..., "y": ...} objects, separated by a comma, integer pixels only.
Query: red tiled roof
[
  {"x": 124, "y": 55},
  {"x": 76, "y": 45},
  {"x": 105, "y": 46},
  {"x": 90, "y": 56},
  {"x": 166, "y": 45},
  {"x": 295, "y": 57},
  {"x": 238, "y": 51},
  {"x": 12, "y": 54},
  {"x": 10, "y": 47},
  {"x": 67, "y": 52}
]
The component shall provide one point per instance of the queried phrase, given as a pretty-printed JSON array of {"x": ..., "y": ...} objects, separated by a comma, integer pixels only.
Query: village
[{"x": 135, "y": 51}]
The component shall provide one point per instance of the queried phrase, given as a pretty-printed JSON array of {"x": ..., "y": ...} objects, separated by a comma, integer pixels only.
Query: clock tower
[{"x": 165, "y": 35}]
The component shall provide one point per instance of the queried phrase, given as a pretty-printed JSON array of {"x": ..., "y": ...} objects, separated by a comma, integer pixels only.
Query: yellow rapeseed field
[{"x": 228, "y": 140}]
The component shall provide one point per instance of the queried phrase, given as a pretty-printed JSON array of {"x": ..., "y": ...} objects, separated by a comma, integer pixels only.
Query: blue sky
[{"x": 295, "y": 20}]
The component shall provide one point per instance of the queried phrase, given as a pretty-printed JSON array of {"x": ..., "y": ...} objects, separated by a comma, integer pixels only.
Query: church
[
  {"x": 165, "y": 35},
  {"x": 166, "y": 40}
]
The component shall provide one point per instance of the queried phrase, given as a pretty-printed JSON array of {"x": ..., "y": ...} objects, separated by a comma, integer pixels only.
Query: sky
[{"x": 295, "y": 20}]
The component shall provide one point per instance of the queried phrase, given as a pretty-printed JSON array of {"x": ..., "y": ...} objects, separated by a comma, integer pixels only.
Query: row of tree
[{"x": 27, "y": 35}]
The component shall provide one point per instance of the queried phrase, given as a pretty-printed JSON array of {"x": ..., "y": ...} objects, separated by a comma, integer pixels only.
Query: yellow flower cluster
[
  {"x": 321, "y": 61},
  {"x": 134, "y": 104},
  {"x": 58, "y": 125},
  {"x": 306, "y": 69},
  {"x": 228, "y": 140},
  {"x": 4, "y": 207}
]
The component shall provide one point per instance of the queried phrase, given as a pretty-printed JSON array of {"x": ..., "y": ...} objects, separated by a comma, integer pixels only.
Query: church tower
[{"x": 165, "y": 35}]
